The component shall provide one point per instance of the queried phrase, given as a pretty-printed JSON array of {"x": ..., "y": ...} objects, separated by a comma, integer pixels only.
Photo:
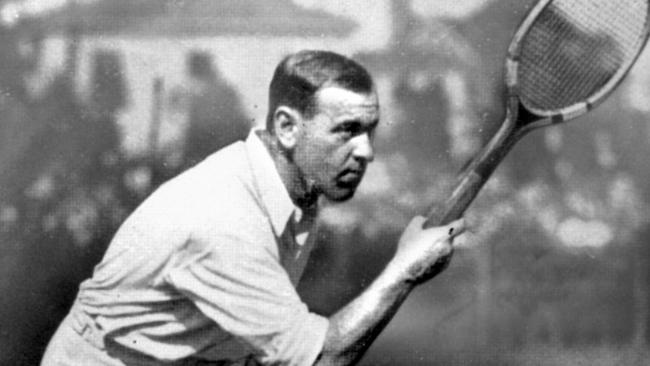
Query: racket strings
[
  {"x": 618, "y": 43},
  {"x": 554, "y": 69},
  {"x": 584, "y": 76},
  {"x": 575, "y": 47}
]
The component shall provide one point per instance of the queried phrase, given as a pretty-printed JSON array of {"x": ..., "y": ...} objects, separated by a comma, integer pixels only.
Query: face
[{"x": 333, "y": 148}]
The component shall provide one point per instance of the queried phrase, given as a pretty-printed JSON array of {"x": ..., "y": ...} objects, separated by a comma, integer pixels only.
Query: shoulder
[
  {"x": 223, "y": 170},
  {"x": 217, "y": 191}
]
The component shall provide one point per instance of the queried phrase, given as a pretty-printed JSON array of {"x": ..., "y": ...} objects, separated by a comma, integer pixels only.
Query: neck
[{"x": 302, "y": 193}]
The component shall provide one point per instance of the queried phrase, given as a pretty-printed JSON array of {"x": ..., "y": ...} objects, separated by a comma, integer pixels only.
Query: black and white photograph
[{"x": 344, "y": 182}]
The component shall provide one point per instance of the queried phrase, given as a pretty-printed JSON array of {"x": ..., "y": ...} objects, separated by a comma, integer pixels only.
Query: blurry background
[{"x": 102, "y": 100}]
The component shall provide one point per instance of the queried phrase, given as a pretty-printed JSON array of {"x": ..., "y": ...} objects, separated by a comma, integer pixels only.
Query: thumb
[
  {"x": 417, "y": 221},
  {"x": 456, "y": 227}
]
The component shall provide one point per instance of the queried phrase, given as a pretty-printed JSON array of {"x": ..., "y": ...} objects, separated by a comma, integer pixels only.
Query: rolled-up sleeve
[{"x": 241, "y": 285}]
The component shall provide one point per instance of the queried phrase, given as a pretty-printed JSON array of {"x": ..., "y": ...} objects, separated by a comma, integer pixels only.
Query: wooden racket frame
[{"x": 519, "y": 121}]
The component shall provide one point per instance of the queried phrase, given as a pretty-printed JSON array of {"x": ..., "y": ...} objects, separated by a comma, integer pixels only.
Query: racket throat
[{"x": 526, "y": 120}]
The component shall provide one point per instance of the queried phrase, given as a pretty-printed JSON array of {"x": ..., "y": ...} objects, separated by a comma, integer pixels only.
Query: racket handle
[{"x": 474, "y": 177}]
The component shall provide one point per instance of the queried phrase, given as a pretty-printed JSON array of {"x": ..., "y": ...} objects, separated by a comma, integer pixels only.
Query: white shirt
[{"x": 207, "y": 267}]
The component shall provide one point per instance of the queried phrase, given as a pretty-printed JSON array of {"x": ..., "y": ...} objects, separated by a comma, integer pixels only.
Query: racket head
[{"x": 567, "y": 56}]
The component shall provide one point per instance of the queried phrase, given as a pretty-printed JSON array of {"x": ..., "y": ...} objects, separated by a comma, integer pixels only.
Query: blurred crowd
[{"x": 66, "y": 184}]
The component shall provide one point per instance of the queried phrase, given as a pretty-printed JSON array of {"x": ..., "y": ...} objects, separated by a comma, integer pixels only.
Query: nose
[{"x": 363, "y": 149}]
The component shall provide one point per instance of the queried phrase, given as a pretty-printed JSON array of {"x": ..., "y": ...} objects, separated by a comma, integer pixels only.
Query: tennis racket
[{"x": 565, "y": 58}]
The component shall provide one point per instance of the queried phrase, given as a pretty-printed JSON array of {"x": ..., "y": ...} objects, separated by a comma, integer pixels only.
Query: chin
[{"x": 340, "y": 195}]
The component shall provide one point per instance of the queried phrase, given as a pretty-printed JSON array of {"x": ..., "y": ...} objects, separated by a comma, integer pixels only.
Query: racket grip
[{"x": 454, "y": 207}]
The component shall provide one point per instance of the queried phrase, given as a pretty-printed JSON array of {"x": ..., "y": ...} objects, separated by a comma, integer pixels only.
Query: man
[{"x": 206, "y": 267}]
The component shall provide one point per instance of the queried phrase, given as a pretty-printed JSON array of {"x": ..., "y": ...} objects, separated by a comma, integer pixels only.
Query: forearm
[
  {"x": 353, "y": 328},
  {"x": 421, "y": 254}
]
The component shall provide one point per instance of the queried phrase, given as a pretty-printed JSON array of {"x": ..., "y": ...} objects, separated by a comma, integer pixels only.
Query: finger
[
  {"x": 459, "y": 241},
  {"x": 456, "y": 227},
  {"x": 466, "y": 240}
]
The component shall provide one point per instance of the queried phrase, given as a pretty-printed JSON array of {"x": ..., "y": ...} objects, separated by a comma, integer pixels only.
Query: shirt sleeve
[{"x": 241, "y": 285}]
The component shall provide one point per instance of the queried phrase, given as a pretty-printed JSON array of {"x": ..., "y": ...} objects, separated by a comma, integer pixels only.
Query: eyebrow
[
  {"x": 357, "y": 125},
  {"x": 357, "y": 121}
]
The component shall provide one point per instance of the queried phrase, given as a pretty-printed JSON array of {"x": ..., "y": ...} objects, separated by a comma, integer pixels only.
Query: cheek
[
  {"x": 334, "y": 156},
  {"x": 324, "y": 157},
  {"x": 337, "y": 159},
  {"x": 313, "y": 159}
]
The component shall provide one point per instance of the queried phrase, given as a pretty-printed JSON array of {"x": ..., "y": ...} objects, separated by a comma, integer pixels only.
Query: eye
[{"x": 348, "y": 129}]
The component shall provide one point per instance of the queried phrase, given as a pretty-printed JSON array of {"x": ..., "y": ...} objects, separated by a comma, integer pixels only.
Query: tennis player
[{"x": 204, "y": 271}]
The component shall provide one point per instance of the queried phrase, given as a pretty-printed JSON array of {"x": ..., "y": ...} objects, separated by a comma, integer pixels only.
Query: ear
[{"x": 286, "y": 125}]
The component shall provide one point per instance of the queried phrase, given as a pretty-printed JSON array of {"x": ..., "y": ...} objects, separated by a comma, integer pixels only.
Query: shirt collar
[{"x": 273, "y": 193}]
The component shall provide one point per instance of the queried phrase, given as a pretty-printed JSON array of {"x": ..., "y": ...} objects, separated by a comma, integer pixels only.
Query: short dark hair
[{"x": 299, "y": 76}]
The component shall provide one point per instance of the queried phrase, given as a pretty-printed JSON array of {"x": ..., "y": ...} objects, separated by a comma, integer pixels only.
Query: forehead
[{"x": 337, "y": 101}]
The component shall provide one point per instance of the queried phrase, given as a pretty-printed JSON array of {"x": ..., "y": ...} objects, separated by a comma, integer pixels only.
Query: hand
[{"x": 423, "y": 253}]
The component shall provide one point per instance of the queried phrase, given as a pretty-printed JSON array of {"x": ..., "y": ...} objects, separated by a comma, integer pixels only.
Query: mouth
[{"x": 350, "y": 178}]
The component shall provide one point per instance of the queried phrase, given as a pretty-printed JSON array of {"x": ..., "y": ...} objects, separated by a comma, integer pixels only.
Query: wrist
[{"x": 399, "y": 275}]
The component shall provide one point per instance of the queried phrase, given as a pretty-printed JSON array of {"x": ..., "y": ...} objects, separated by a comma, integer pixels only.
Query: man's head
[{"x": 323, "y": 111}]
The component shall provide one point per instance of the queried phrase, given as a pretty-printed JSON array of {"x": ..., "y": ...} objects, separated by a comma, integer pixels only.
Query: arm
[{"x": 421, "y": 254}]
